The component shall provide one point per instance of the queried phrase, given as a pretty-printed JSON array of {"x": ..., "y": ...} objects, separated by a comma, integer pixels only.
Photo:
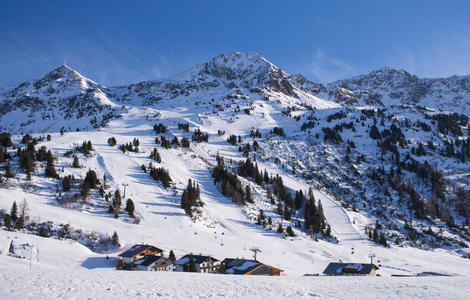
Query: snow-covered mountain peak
[
  {"x": 59, "y": 99},
  {"x": 65, "y": 76}
]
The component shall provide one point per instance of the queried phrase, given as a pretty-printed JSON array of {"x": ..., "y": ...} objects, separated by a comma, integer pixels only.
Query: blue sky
[{"x": 119, "y": 42}]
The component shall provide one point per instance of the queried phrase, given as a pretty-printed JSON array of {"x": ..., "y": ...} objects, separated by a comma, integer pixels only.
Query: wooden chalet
[
  {"x": 350, "y": 269},
  {"x": 238, "y": 266},
  {"x": 135, "y": 253}
]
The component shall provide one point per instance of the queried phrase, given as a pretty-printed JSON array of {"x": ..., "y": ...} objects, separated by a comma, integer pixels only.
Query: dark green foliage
[
  {"x": 14, "y": 211},
  {"x": 130, "y": 208},
  {"x": 290, "y": 231},
  {"x": 8, "y": 172},
  {"x": 183, "y": 126},
  {"x": 248, "y": 195},
  {"x": 307, "y": 125},
  {"x": 155, "y": 155},
  {"x": 5, "y": 140},
  {"x": 115, "y": 240},
  {"x": 255, "y": 134},
  {"x": 26, "y": 159},
  {"x": 248, "y": 169},
  {"x": 66, "y": 183},
  {"x": 41, "y": 154},
  {"x": 2, "y": 155},
  {"x": 131, "y": 147},
  {"x": 332, "y": 134},
  {"x": 313, "y": 214},
  {"x": 112, "y": 141},
  {"x": 85, "y": 148},
  {"x": 450, "y": 123},
  {"x": 185, "y": 142},
  {"x": 336, "y": 116},
  {"x": 383, "y": 240},
  {"x": 299, "y": 199},
  {"x": 117, "y": 199},
  {"x": 192, "y": 265},
  {"x": 172, "y": 256},
  {"x": 159, "y": 128},
  {"x": 278, "y": 131},
  {"x": 165, "y": 143},
  {"x": 375, "y": 236},
  {"x": 416, "y": 203},
  {"x": 198, "y": 136},
  {"x": 43, "y": 232},
  {"x": 231, "y": 185},
  {"x": 19, "y": 224},
  {"x": 280, "y": 229},
  {"x": 76, "y": 163},
  {"x": 374, "y": 133},
  {"x": 175, "y": 141},
  {"x": 160, "y": 174},
  {"x": 191, "y": 198},
  {"x": 232, "y": 139},
  {"x": 51, "y": 172},
  {"x": 7, "y": 221},
  {"x": 91, "y": 179},
  {"x": 260, "y": 217},
  {"x": 85, "y": 190}
]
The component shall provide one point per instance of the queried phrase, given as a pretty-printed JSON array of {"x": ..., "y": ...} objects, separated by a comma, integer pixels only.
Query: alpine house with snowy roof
[
  {"x": 202, "y": 264},
  {"x": 238, "y": 266},
  {"x": 135, "y": 253},
  {"x": 350, "y": 269},
  {"x": 153, "y": 263}
]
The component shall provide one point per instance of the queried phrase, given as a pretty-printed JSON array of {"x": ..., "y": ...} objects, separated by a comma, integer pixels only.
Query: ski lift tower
[
  {"x": 372, "y": 255},
  {"x": 124, "y": 185},
  {"x": 255, "y": 250}
]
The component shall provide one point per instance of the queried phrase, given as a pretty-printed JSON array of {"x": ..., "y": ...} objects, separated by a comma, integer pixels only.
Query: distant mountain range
[{"x": 64, "y": 98}]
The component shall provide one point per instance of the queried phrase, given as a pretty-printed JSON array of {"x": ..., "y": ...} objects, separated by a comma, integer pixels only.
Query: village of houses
[{"x": 143, "y": 257}]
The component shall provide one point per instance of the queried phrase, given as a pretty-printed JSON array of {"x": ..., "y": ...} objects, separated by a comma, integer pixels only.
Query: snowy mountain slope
[
  {"x": 223, "y": 230},
  {"x": 389, "y": 86},
  {"x": 227, "y": 77},
  {"x": 61, "y": 99},
  {"x": 322, "y": 145}
]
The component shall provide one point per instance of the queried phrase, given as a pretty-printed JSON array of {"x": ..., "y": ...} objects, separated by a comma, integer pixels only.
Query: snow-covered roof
[
  {"x": 349, "y": 268},
  {"x": 136, "y": 249},
  {"x": 198, "y": 259}
]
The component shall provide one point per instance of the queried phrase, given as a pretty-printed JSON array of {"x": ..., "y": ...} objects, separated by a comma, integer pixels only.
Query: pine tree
[
  {"x": 290, "y": 231},
  {"x": 172, "y": 256},
  {"x": 91, "y": 178},
  {"x": 375, "y": 236},
  {"x": 260, "y": 217},
  {"x": 248, "y": 195},
  {"x": 280, "y": 229},
  {"x": 19, "y": 223},
  {"x": 130, "y": 208},
  {"x": 192, "y": 265},
  {"x": 8, "y": 172},
  {"x": 383, "y": 240},
  {"x": 115, "y": 240},
  {"x": 76, "y": 163},
  {"x": 7, "y": 221},
  {"x": 85, "y": 189},
  {"x": 14, "y": 212},
  {"x": 117, "y": 199}
]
